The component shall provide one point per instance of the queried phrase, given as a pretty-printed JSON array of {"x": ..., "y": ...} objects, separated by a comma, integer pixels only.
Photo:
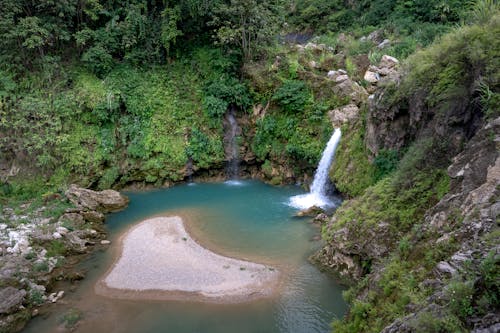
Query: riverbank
[
  {"x": 41, "y": 242},
  {"x": 160, "y": 260}
]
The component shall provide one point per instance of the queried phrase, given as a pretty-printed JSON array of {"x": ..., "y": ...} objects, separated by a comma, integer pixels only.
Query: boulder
[
  {"x": 103, "y": 201},
  {"x": 311, "y": 211},
  {"x": 75, "y": 242},
  {"x": 341, "y": 78},
  {"x": 332, "y": 75},
  {"x": 376, "y": 36},
  {"x": 385, "y": 43},
  {"x": 344, "y": 114},
  {"x": 10, "y": 299},
  {"x": 354, "y": 91},
  {"x": 388, "y": 62},
  {"x": 321, "y": 218},
  {"x": 371, "y": 77},
  {"x": 74, "y": 218},
  {"x": 92, "y": 216}
]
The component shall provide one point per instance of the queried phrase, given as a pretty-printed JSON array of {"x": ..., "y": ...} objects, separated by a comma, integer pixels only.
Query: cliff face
[{"x": 422, "y": 238}]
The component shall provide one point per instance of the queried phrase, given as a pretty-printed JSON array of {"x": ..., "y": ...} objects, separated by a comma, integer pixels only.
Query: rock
[
  {"x": 321, "y": 218},
  {"x": 74, "y": 218},
  {"x": 332, "y": 75},
  {"x": 313, "y": 64},
  {"x": 56, "y": 235},
  {"x": 385, "y": 43},
  {"x": 92, "y": 216},
  {"x": 104, "y": 201},
  {"x": 311, "y": 211},
  {"x": 105, "y": 242},
  {"x": 388, "y": 62},
  {"x": 354, "y": 91},
  {"x": 371, "y": 77},
  {"x": 446, "y": 268},
  {"x": 62, "y": 230},
  {"x": 10, "y": 299},
  {"x": 490, "y": 323},
  {"x": 76, "y": 243},
  {"x": 342, "y": 115},
  {"x": 341, "y": 78},
  {"x": 342, "y": 38},
  {"x": 376, "y": 36},
  {"x": 54, "y": 297}
]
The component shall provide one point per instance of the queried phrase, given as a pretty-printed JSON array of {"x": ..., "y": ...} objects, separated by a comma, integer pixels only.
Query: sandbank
[{"x": 160, "y": 260}]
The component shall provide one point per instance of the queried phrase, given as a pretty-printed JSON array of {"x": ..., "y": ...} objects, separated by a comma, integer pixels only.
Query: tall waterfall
[
  {"x": 232, "y": 150},
  {"x": 317, "y": 196}
]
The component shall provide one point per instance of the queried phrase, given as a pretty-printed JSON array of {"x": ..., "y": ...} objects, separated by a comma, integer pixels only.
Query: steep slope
[{"x": 422, "y": 242}]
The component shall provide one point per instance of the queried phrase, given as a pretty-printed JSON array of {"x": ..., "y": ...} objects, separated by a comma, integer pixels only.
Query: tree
[
  {"x": 248, "y": 24},
  {"x": 169, "y": 31}
]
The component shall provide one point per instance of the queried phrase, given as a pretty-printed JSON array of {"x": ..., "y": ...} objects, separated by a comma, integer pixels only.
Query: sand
[{"x": 159, "y": 260}]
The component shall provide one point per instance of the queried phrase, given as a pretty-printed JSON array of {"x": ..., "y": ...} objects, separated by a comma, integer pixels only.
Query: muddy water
[{"x": 245, "y": 220}]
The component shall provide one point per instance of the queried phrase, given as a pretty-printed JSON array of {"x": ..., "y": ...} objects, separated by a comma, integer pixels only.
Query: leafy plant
[{"x": 292, "y": 96}]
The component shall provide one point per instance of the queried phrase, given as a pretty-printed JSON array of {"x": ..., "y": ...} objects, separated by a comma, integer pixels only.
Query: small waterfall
[
  {"x": 232, "y": 150},
  {"x": 317, "y": 196}
]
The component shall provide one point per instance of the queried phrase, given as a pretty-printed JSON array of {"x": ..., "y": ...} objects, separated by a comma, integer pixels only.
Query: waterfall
[
  {"x": 232, "y": 150},
  {"x": 317, "y": 196}
]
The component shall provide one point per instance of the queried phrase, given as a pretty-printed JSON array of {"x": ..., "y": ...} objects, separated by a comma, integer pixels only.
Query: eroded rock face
[
  {"x": 344, "y": 114},
  {"x": 104, "y": 201},
  {"x": 10, "y": 299}
]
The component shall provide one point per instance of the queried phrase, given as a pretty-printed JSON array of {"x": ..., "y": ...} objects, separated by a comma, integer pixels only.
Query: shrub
[
  {"x": 98, "y": 60},
  {"x": 460, "y": 296},
  {"x": 385, "y": 162},
  {"x": 214, "y": 109},
  {"x": 292, "y": 96}
]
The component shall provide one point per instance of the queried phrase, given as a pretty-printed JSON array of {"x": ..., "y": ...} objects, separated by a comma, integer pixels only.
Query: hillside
[{"x": 139, "y": 95}]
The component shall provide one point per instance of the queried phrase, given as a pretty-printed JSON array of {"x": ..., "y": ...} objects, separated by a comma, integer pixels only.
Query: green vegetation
[{"x": 106, "y": 93}]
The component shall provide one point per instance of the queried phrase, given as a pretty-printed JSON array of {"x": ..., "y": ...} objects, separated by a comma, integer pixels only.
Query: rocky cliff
[{"x": 421, "y": 235}]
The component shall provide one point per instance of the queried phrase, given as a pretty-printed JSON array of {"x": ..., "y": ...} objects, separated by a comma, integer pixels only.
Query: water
[
  {"x": 232, "y": 152},
  {"x": 317, "y": 196},
  {"x": 248, "y": 220}
]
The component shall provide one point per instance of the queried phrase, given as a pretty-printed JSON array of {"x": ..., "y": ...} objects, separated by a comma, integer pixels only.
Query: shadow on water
[{"x": 247, "y": 220}]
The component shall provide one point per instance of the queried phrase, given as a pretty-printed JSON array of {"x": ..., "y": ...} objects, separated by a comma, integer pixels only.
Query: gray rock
[
  {"x": 376, "y": 36},
  {"x": 341, "y": 78},
  {"x": 384, "y": 44},
  {"x": 371, "y": 77},
  {"x": 446, "y": 268},
  {"x": 343, "y": 115},
  {"x": 10, "y": 299},
  {"x": 74, "y": 218},
  {"x": 104, "y": 201},
  {"x": 388, "y": 62},
  {"x": 92, "y": 216},
  {"x": 311, "y": 211},
  {"x": 76, "y": 243}
]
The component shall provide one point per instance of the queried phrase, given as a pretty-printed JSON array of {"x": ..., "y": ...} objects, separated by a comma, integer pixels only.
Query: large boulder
[
  {"x": 345, "y": 87},
  {"x": 10, "y": 299},
  {"x": 101, "y": 201},
  {"x": 344, "y": 114}
]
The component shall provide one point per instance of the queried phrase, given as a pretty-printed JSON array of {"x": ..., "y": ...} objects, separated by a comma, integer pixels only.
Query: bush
[
  {"x": 214, "y": 109},
  {"x": 385, "y": 162},
  {"x": 292, "y": 96},
  {"x": 460, "y": 296},
  {"x": 98, "y": 60}
]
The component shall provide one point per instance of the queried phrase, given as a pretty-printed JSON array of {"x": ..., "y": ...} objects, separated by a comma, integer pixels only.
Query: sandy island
[{"x": 159, "y": 260}]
